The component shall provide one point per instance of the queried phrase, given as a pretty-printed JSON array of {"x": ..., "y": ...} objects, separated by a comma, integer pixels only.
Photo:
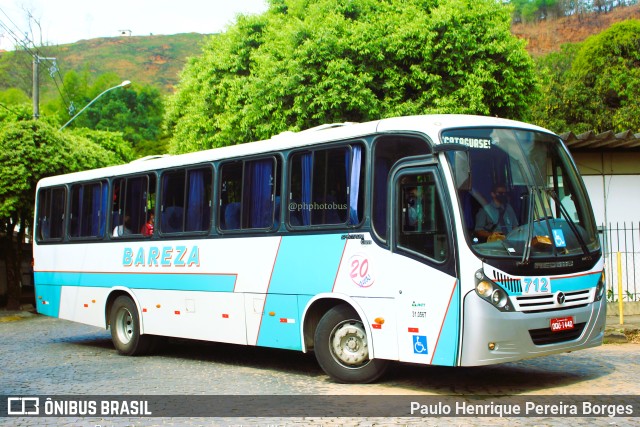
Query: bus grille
[
  {"x": 544, "y": 336},
  {"x": 548, "y": 302},
  {"x": 512, "y": 284}
]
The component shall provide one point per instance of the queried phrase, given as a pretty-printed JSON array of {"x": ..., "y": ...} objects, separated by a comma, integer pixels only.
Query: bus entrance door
[{"x": 427, "y": 295}]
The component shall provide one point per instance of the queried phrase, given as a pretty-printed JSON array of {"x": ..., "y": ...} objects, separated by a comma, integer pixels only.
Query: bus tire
[
  {"x": 342, "y": 347},
  {"x": 125, "y": 328}
]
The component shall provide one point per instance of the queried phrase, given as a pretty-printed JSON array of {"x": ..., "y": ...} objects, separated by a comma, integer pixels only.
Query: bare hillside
[{"x": 547, "y": 36}]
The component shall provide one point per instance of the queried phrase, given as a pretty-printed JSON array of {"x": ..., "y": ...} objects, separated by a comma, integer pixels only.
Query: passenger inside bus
[
  {"x": 122, "y": 229},
  {"x": 147, "y": 228},
  {"x": 496, "y": 218}
]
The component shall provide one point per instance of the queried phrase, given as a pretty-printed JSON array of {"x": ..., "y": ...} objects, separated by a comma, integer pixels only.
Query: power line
[{"x": 37, "y": 55}]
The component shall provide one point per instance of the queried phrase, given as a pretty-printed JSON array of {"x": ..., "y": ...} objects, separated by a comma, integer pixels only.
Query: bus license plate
[{"x": 561, "y": 324}]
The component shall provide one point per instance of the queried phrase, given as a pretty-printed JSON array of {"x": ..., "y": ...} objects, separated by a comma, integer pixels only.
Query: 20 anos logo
[{"x": 360, "y": 271}]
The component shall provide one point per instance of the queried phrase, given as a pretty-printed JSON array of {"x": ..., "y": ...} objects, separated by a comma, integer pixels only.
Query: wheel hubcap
[
  {"x": 349, "y": 345},
  {"x": 124, "y": 325}
]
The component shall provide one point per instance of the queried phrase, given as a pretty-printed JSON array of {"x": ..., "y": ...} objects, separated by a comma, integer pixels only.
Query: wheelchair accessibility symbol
[
  {"x": 420, "y": 344},
  {"x": 558, "y": 238}
]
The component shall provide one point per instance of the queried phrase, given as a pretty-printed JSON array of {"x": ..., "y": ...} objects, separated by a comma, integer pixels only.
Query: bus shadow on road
[
  {"x": 534, "y": 376},
  {"x": 89, "y": 340},
  {"x": 280, "y": 360}
]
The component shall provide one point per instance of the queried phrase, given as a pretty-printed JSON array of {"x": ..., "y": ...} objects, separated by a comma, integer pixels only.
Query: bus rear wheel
[
  {"x": 342, "y": 347},
  {"x": 125, "y": 328}
]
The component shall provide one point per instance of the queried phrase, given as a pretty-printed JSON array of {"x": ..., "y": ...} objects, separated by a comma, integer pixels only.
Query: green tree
[
  {"x": 13, "y": 96},
  {"x": 31, "y": 150},
  {"x": 303, "y": 63},
  {"x": 594, "y": 85},
  {"x": 554, "y": 69},
  {"x": 604, "y": 89},
  {"x": 135, "y": 113}
]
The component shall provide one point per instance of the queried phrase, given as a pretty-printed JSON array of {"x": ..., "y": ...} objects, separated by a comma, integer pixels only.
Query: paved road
[{"x": 45, "y": 356}]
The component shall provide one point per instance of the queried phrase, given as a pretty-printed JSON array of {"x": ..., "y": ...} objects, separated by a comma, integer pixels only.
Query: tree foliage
[
  {"x": 597, "y": 85},
  {"x": 136, "y": 113},
  {"x": 304, "y": 63},
  {"x": 29, "y": 151}
]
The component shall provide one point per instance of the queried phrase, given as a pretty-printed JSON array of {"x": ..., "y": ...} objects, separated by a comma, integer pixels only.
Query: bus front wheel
[
  {"x": 125, "y": 328},
  {"x": 342, "y": 347}
]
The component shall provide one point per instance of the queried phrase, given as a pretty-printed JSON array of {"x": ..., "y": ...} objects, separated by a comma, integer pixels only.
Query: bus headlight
[
  {"x": 499, "y": 298},
  {"x": 600, "y": 287},
  {"x": 484, "y": 289},
  {"x": 491, "y": 292}
]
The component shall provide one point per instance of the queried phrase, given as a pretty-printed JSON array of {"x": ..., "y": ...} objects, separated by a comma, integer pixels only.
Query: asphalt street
[{"x": 45, "y": 356}]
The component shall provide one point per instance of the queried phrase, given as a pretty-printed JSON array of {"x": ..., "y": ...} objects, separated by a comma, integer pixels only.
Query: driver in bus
[{"x": 497, "y": 218}]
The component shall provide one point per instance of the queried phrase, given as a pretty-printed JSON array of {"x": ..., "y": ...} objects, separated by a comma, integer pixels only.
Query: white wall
[{"x": 622, "y": 201}]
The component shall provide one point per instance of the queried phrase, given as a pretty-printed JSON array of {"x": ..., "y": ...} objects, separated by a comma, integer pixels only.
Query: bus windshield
[{"x": 524, "y": 198}]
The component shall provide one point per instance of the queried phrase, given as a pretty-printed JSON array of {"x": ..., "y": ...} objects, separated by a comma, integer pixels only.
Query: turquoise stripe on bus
[
  {"x": 48, "y": 299},
  {"x": 576, "y": 283},
  {"x": 446, "y": 351},
  {"x": 161, "y": 281},
  {"x": 304, "y": 265}
]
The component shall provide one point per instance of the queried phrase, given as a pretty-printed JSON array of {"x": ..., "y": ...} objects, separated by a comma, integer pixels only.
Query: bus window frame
[
  {"x": 138, "y": 235},
  {"x": 412, "y": 168},
  {"x": 159, "y": 208},
  {"x": 39, "y": 239},
  {"x": 69, "y": 208},
  {"x": 217, "y": 196},
  {"x": 364, "y": 185},
  {"x": 383, "y": 241}
]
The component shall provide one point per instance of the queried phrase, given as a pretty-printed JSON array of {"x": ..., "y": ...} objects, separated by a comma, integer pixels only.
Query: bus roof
[{"x": 429, "y": 125}]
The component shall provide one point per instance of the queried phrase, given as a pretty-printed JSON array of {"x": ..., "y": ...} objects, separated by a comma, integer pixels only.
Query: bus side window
[
  {"x": 133, "y": 199},
  {"x": 172, "y": 194},
  {"x": 87, "y": 217},
  {"x": 199, "y": 199},
  {"x": 387, "y": 150},
  {"x": 422, "y": 222},
  {"x": 327, "y": 187},
  {"x": 185, "y": 200},
  {"x": 249, "y": 194},
  {"x": 230, "y": 195},
  {"x": 51, "y": 206}
]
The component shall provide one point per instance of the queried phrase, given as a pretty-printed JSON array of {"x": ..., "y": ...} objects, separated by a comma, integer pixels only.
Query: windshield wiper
[
  {"x": 569, "y": 220},
  {"x": 547, "y": 214},
  {"x": 526, "y": 251}
]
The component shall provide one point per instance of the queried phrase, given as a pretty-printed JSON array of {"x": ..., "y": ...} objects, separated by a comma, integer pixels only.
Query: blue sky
[{"x": 67, "y": 21}]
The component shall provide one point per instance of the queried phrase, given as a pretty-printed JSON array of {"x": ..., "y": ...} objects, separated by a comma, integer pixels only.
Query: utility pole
[{"x": 36, "y": 84}]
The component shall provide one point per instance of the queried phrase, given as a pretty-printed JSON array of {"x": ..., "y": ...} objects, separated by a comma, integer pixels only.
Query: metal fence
[{"x": 621, "y": 246}]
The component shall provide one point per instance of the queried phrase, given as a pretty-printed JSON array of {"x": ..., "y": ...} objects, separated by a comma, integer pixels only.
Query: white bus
[{"x": 439, "y": 240}]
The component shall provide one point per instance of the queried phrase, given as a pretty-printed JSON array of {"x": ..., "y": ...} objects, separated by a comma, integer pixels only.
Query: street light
[{"x": 124, "y": 84}]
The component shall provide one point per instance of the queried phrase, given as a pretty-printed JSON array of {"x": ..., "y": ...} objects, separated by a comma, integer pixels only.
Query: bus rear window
[{"x": 50, "y": 220}]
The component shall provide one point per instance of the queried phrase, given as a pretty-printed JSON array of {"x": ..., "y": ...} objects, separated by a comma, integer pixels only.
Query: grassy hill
[
  {"x": 158, "y": 59},
  {"x": 147, "y": 60}
]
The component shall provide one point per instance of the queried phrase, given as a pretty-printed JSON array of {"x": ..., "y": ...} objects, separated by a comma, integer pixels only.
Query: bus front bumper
[{"x": 512, "y": 334}]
